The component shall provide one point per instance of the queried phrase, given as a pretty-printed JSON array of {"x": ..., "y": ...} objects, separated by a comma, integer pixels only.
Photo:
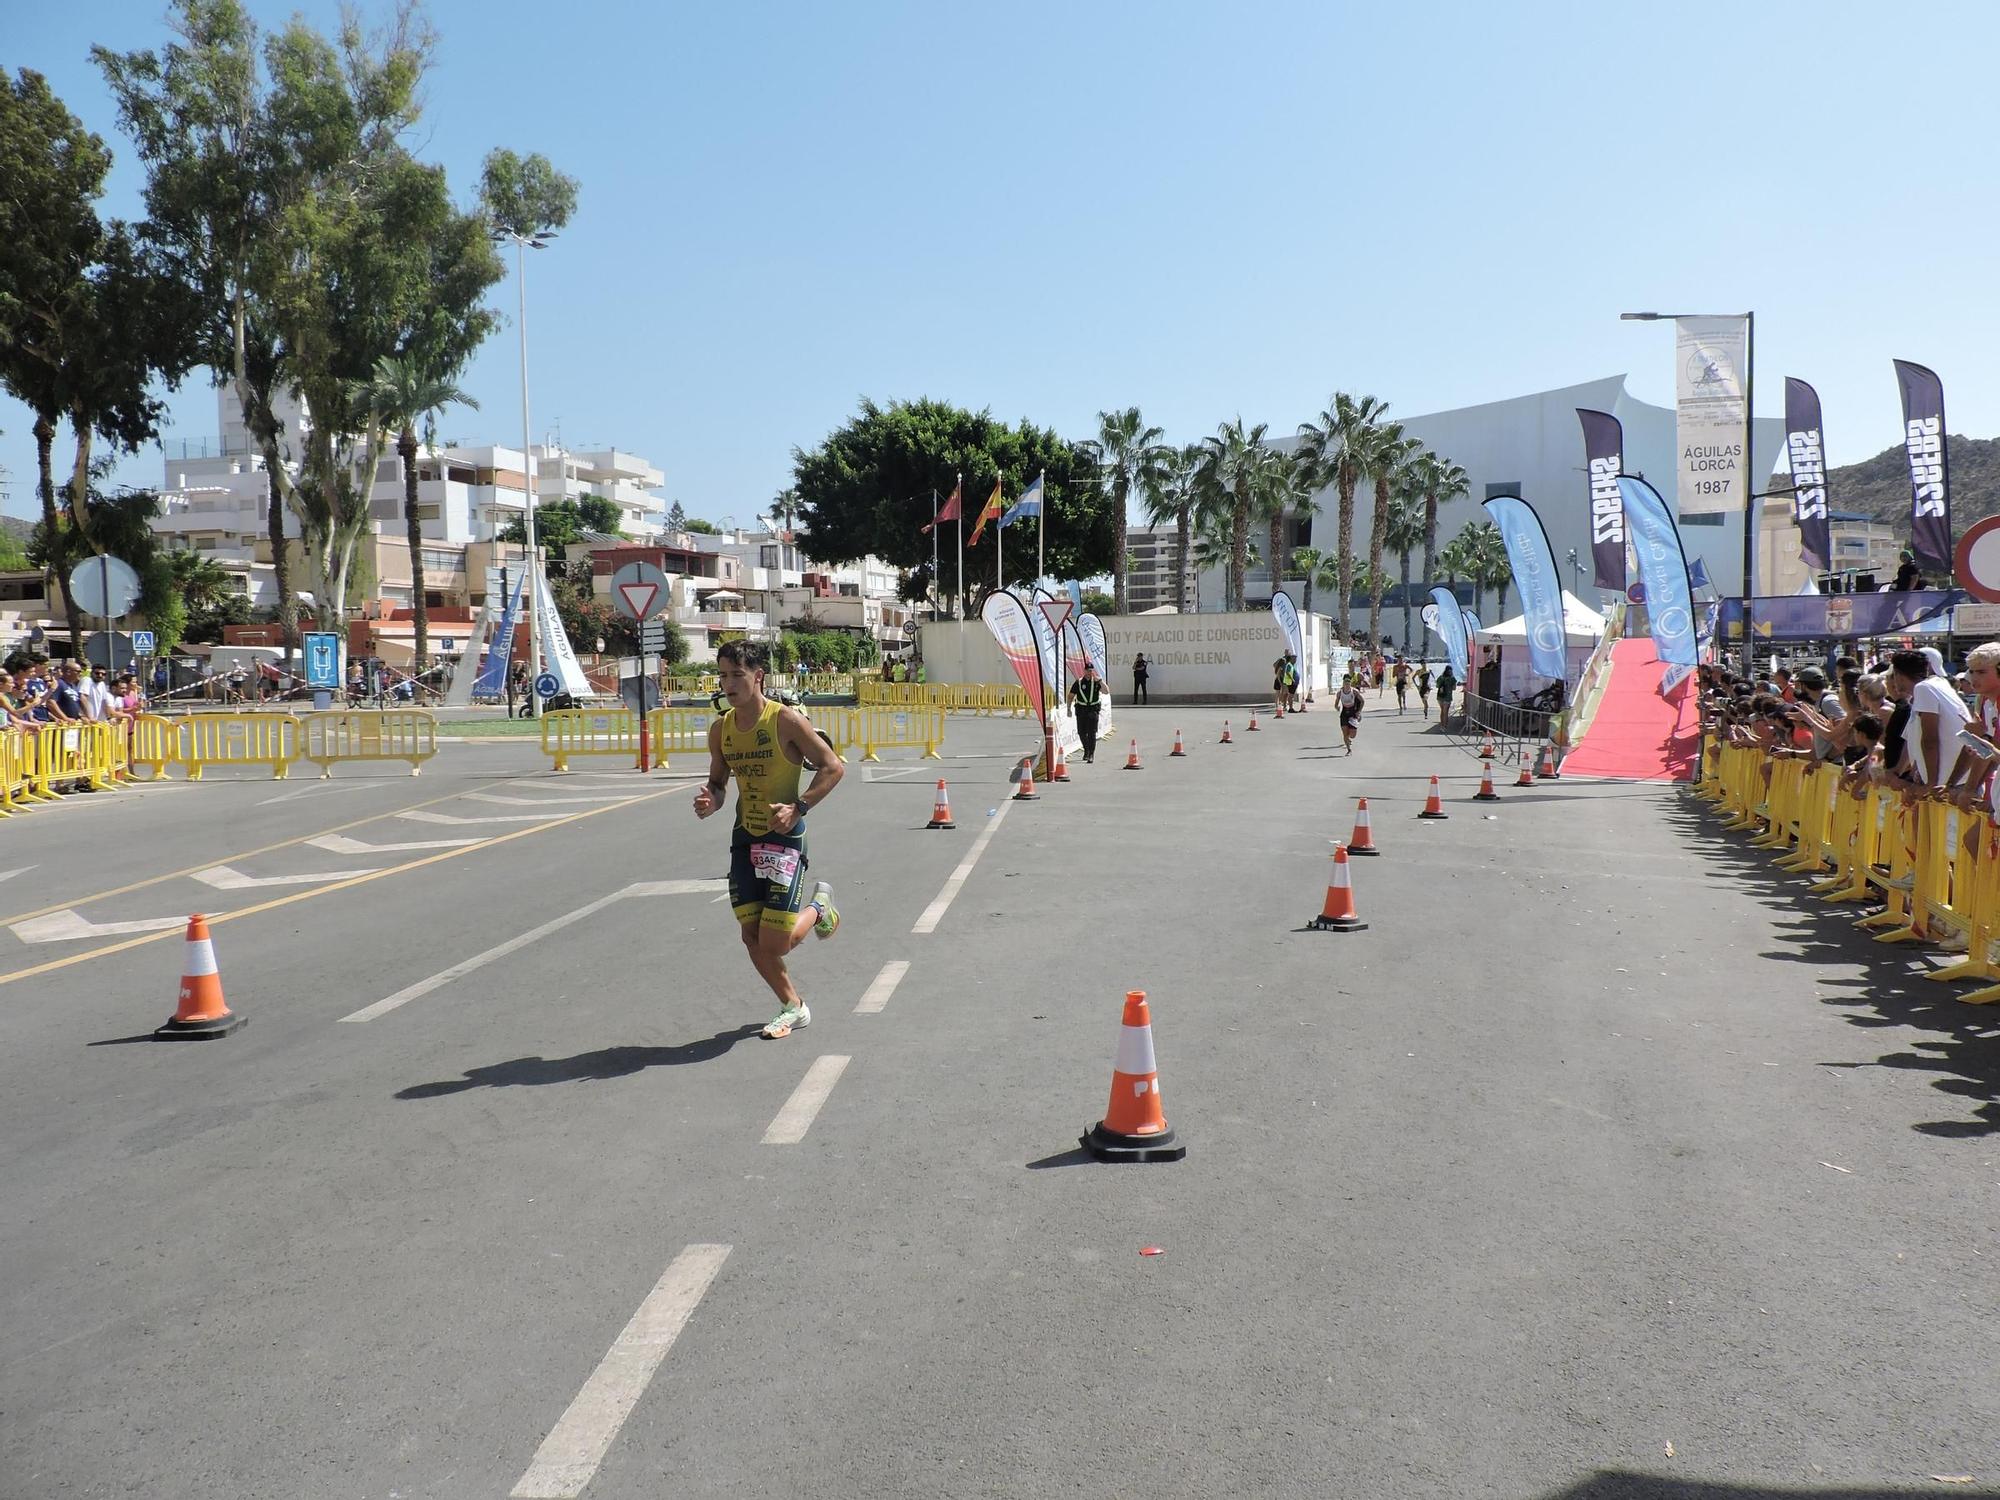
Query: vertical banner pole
[{"x": 1752, "y": 506}]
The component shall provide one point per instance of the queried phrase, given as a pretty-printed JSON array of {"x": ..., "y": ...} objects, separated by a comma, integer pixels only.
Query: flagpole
[
  {"x": 1042, "y": 528},
  {"x": 999, "y": 537},
  {"x": 958, "y": 604},
  {"x": 935, "y": 588}
]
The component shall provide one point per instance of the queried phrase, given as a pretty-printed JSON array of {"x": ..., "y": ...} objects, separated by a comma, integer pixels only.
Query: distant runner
[
  {"x": 1424, "y": 687},
  {"x": 1402, "y": 673},
  {"x": 1349, "y": 704},
  {"x": 764, "y": 744}
]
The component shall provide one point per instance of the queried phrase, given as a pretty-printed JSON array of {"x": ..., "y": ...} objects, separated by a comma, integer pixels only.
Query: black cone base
[
  {"x": 1433, "y": 815},
  {"x": 934, "y": 823},
  {"x": 1026, "y": 797},
  {"x": 1370, "y": 851},
  {"x": 201, "y": 1031},
  {"x": 1108, "y": 1145},
  {"x": 1337, "y": 924},
  {"x": 1480, "y": 797}
]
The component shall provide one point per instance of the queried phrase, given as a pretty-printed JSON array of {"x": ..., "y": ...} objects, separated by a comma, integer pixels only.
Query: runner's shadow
[{"x": 585, "y": 1067}]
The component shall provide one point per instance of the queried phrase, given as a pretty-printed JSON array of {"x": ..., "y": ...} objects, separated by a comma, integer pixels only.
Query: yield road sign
[
  {"x": 639, "y": 591},
  {"x": 322, "y": 660},
  {"x": 144, "y": 642}
]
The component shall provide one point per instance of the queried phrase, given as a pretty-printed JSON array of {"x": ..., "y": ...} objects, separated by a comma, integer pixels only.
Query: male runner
[{"x": 764, "y": 744}]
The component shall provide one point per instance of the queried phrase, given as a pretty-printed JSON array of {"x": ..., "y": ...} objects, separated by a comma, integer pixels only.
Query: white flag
[{"x": 1711, "y": 354}]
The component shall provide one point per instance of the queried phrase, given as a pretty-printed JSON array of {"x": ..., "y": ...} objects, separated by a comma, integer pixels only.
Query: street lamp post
[
  {"x": 1752, "y": 500},
  {"x": 522, "y": 244}
]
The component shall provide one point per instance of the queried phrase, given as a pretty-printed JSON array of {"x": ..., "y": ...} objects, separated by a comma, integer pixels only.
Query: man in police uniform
[{"x": 1086, "y": 696}]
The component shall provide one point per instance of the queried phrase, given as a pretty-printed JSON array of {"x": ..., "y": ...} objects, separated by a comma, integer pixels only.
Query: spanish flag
[{"x": 990, "y": 513}]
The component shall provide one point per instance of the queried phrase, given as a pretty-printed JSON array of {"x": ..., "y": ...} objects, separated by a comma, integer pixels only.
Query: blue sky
[{"x": 1206, "y": 210}]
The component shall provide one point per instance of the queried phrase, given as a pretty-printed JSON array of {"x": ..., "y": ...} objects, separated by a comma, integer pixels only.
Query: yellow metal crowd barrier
[
  {"x": 1934, "y": 867},
  {"x": 876, "y": 727},
  {"x": 369, "y": 734},
  {"x": 947, "y": 697},
  {"x": 589, "y": 731}
]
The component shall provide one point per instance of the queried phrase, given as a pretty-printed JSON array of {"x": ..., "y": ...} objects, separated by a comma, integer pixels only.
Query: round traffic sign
[
  {"x": 639, "y": 591},
  {"x": 1976, "y": 560},
  {"x": 104, "y": 586},
  {"x": 546, "y": 685}
]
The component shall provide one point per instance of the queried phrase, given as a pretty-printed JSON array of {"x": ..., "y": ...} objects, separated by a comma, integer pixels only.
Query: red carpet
[{"x": 1637, "y": 735}]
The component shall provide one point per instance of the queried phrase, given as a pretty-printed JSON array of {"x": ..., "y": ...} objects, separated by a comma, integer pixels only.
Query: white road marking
[
  {"x": 478, "y": 961},
  {"x": 315, "y": 791},
  {"x": 934, "y": 913},
  {"x": 878, "y": 993},
  {"x": 340, "y": 843},
  {"x": 10, "y": 874},
  {"x": 870, "y": 773},
  {"x": 423, "y": 815},
  {"x": 576, "y": 1445},
  {"x": 795, "y": 1119},
  {"x": 227, "y": 878},
  {"x": 506, "y": 801},
  {"x": 66, "y": 926}
]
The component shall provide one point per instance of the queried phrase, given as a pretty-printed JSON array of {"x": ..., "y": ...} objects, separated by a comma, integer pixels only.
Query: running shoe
[
  {"x": 829, "y": 919},
  {"x": 787, "y": 1021}
]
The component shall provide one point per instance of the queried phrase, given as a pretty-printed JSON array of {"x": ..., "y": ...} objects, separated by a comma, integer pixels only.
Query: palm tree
[
  {"x": 786, "y": 509},
  {"x": 1233, "y": 463},
  {"x": 1284, "y": 490},
  {"x": 1485, "y": 563},
  {"x": 1443, "y": 482},
  {"x": 1172, "y": 493},
  {"x": 1405, "y": 533},
  {"x": 1388, "y": 455},
  {"x": 401, "y": 393},
  {"x": 1130, "y": 455},
  {"x": 1318, "y": 570},
  {"x": 1213, "y": 546},
  {"x": 1334, "y": 448},
  {"x": 199, "y": 579},
  {"x": 1454, "y": 560}
]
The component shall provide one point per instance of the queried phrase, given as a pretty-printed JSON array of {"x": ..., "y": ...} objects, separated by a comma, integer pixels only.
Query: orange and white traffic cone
[
  {"x": 1486, "y": 751},
  {"x": 1486, "y": 792},
  {"x": 200, "y": 1014},
  {"x": 1548, "y": 770},
  {"x": 1363, "y": 841},
  {"x": 1026, "y": 791},
  {"x": 1132, "y": 758},
  {"x": 1253, "y": 722},
  {"x": 1338, "y": 913},
  {"x": 1177, "y": 750},
  {"x": 1527, "y": 776},
  {"x": 1060, "y": 771},
  {"x": 1434, "y": 804},
  {"x": 1225, "y": 740},
  {"x": 941, "y": 810},
  {"x": 1280, "y": 713},
  {"x": 1134, "y": 1127}
]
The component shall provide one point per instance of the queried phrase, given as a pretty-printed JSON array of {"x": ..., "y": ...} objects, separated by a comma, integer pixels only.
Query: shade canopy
[{"x": 1582, "y": 626}]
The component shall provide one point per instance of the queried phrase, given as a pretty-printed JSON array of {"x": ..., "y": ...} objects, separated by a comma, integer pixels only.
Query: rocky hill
[{"x": 1880, "y": 486}]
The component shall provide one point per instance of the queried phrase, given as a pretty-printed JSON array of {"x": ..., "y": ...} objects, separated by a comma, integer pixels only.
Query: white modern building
[
  {"x": 215, "y": 499},
  {"x": 1532, "y": 446}
]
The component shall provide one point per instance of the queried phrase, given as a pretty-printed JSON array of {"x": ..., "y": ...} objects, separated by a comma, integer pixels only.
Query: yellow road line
[{"x": 326, "y": 890}]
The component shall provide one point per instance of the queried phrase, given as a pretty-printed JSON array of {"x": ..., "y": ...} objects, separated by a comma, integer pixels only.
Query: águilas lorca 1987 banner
[
  {"x": 1710, "y": 355},
  {"x": 1603, "y": 462},
  {"x": 1930, "y": 473},
  {"x": 1805, "y": 451}
]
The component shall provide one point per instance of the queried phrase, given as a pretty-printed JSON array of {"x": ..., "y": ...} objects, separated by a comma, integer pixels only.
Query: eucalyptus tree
[
  {"x": 1131, "y": 456},
  {"x": 1335, "y": 445}
]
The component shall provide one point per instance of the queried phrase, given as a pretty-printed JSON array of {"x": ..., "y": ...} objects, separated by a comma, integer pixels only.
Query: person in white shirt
[
  {"x": 1937, "y": 714},
  {"x": 98, "y": 699},
  {"x": 1971, "y": 779}
]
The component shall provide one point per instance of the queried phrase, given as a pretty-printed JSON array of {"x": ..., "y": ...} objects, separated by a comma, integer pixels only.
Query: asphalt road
[{"x": 1601, "y": 1164}]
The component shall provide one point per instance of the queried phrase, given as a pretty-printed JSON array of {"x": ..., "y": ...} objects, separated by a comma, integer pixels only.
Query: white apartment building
[
  {"x": 215, "y": 499},
  {"x": 1149, "y": 568}
]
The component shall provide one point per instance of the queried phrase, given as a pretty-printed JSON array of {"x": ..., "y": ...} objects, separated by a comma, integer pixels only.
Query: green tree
[
  {"x": 1442, "y": 482},
  {"x": 1097, "y": 602},
  {"x": 677, "y": 517},
  {"x": 278, "y": 184},
  {"x": 867, "y": 490},
  {"x": 1335, "y": 446},
  {"x": 525, "y": 198},
  {"x": 1319, "y": 570},
  {"x": 1389, "y": 454},
  {"x": 1131, "y": 458},
  {"x": 88, "y": 322},
  {"x": 118, "y": 524},
  {"x": 784, "y": 512},
  {"x": 1405, "y": 531},
  {"x": 402, "y": 393},
  {"x": 1171, "y": 494},
  {"x": 699, "y": 527},
  {"x": 600, "y": 513},
  {"x": 1213, "y": 545},
  {"x": 1485, "y": 563},
  {"x": 558, "y": 523},
  {"x": 1234, "y": 463},
  {"x": 1285, "y": 490}
]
